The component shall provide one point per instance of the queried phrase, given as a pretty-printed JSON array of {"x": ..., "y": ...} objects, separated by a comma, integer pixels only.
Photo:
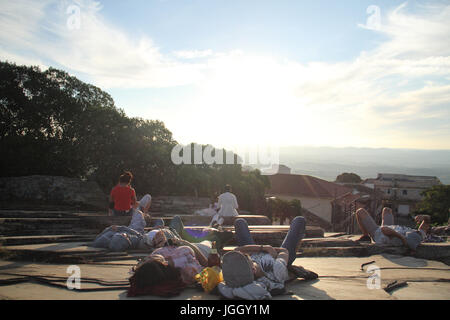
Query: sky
[{"x": 242, "y": 72}]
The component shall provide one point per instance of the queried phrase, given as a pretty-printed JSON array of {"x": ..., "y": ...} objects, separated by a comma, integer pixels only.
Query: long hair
[{"x": 155, "y": 277}]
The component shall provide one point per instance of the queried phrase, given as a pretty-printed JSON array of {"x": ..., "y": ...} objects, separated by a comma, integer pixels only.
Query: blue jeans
[
  {"x": 103, "y": 240},
  {"x": 295, "y": 234}
]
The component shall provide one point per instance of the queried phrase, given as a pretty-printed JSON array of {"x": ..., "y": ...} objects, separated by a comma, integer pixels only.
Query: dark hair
[
  {"x": 227, "y": 188},
  {"x": 126, "y": 177},
  {"x": 154, "y": 272}
]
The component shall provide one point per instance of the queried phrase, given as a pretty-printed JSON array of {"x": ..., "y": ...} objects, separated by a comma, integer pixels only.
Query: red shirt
[{"x": 123, "y": 197}]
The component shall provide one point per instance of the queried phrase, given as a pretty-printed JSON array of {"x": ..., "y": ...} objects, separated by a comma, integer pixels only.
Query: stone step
[
  {"x": 77, "y": 223},
  {"x": 28, "y": 226},
  {"x": 36, "y": 214},
  {"x": 78, "y": 251},
  {"x": 40, "y": 239},
  {"x": 273, "y": 237}
]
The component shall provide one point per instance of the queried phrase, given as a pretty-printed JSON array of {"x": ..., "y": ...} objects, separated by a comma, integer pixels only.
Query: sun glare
[{"x": 254, "y": 102}]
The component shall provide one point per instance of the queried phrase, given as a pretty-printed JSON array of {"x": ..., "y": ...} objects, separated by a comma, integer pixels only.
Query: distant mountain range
[{"x": 328, "y": 162}]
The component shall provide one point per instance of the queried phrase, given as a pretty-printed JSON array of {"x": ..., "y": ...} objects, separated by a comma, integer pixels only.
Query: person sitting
[
  {"x": 389, "y": 233},
  {"x": 122, "y": 197},
  {"x": 211, "y": 210},
  {"x": 228, "y": 207},
  {"x": 255, "y": 272}
]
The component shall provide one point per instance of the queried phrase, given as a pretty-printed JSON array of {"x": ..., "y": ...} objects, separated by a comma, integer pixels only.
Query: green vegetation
[
  {"x": 54, "y": 124},
  {"x": 436, "y": 203},
  {"x": 348, "y": 178},
  {"x": 279, "y": 209}
]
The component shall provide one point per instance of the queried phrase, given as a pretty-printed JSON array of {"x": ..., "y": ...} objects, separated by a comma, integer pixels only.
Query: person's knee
[
  {"x": 300, "y": 221},
  {"x": 360, "y": 212},
  {"x": 177, "y": 219},
  {"x": 386, "y": 210},
  {"x": 240, "y": 222}
]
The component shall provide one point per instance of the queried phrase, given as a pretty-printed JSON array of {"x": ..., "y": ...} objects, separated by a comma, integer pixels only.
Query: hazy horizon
[{"x": 328, "y": 162}]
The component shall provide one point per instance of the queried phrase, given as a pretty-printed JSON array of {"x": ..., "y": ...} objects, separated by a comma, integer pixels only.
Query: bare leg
[
  {"x": 360, "y": 213},
  {"x": 366, "y": 224},
  {"x": 387, "y": 218}
]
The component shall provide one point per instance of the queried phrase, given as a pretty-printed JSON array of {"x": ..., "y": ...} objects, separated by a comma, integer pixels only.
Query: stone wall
[
  {"x": 172, "y": 205},
  {"x": 52, "y": 190}
]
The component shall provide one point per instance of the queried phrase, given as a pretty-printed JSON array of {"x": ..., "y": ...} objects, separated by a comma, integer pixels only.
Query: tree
[
  {"x": 348, "y": 178},
  {"x": 436, "y": 203},
  {"x": 54, "y": 124}
]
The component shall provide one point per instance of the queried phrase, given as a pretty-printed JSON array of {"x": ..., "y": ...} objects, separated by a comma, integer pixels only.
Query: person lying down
[{"x": 134, "y": 237}]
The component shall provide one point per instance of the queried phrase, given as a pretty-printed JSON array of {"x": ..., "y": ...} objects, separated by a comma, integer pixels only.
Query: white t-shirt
[
  {"x": 228, "y": 205},
  {"x": 381, "y": 238},
  {"x": 275, "y": 270}
]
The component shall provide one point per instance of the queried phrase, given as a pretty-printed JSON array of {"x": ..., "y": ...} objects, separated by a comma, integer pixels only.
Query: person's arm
[
  {"x": 198, "y": 254},
  {"x": 282, "y": 254},
  {"x": 392, "y": 233},
  {"x": 424, "y": 221}
]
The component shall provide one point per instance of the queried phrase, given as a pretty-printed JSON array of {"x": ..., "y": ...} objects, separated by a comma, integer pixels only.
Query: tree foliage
[
  {"x": 436, "y": 203},
  {"x": 284, "y": 209},
  {"x": 348, "y": 178},
  {"x": 54, "y": 124}
]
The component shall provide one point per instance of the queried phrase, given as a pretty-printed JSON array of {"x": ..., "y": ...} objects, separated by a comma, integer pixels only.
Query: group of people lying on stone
[{"x": 250, "y": 271}]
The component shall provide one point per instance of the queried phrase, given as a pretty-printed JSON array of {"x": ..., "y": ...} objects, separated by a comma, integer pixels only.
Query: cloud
[
  {"x": 97, "y": 49},
  {"x": 193, "y": 54},
  {"x": 377, "y": 98}
]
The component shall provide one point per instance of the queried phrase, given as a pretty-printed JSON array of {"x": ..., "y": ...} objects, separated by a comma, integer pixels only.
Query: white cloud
[
  {"x": 357, "y": 102},
  {"x": 106, "y": 54},
  {"x": 193, "y": 54}
]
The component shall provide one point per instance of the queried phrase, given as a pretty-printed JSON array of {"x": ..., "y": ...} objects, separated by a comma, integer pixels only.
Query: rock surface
[{"x": 52, "y": 190}]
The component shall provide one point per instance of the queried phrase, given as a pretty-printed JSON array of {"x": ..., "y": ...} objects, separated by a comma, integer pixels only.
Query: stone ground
[
  {"x": 40, "y": 245},
  {"x": 340, "y": 278}
]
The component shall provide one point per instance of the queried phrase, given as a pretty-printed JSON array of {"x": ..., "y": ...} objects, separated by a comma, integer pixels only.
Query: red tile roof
[{"x": 306, "y": 186}]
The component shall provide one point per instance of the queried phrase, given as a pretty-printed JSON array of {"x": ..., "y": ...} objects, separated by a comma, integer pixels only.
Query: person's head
[
  {"x": 227, "y": 188},
  {"x": 413, "y": 239},
  {"x": 126, "y": 178},
  {"x": 238, "y": 269},
  {"x": 155, "y": 238},
  {"x": 387, "y": 210},
  {"x": 156, "y": 270}
]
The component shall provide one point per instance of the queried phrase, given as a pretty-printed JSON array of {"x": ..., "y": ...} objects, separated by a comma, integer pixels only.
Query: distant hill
[{"x": 328, "y": 162}]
